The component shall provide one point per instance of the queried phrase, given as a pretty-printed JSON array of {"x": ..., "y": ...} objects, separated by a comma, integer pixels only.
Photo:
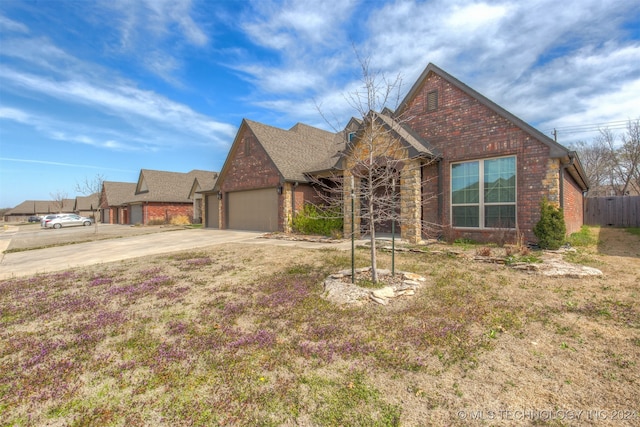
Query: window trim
[{"x": 481, "y": 203}]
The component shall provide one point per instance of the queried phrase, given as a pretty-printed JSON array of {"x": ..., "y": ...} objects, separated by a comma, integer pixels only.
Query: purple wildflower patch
[
  {"x": 287, "y": 296},
  {"x": 261, "y": 339},
  {"x": 169, "y": 353},
  {"x": 196, "y": 262},
  {"x": 98, "y": 281},
  {"x": 149, "y": 286},
  {"x": 324, "y": 350},
  {"x": 150, "y": 271},
  {"x": 176, "y": 328}
]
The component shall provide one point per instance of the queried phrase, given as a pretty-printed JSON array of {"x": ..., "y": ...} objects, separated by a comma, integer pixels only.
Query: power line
[{"x": 588, "y": 128}]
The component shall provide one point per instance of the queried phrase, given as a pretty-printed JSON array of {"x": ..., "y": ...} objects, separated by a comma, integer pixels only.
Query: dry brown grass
[{"x": 239, "y": 335}]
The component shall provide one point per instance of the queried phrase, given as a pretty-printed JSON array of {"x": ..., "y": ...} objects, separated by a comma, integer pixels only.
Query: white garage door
[{"x": 255, "y": 210}]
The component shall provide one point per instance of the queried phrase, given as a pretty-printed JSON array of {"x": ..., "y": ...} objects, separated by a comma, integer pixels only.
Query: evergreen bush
[
  {"x": 313, "y": 220},
  {"x": 550, "y": 230}
]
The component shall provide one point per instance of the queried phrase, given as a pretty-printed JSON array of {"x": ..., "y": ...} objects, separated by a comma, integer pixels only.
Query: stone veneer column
[
  {"x": 551, "y": 182},
  {"x": 410, "y": 201},
  {"x": 287, "y": 208}
]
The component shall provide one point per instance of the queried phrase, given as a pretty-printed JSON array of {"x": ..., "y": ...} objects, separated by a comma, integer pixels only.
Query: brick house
[
  {"x": 263, "y": 181},
  {"x": 469, "y": 168},
  {"x": 88, "y": 205},
  {"x": 114, "y": 199},
  {"x": 24, "y": 210},
  {"x": 157, "y": 197},
  {"x": 160, "y": 196},
  {"x": 80, "y": 205}
]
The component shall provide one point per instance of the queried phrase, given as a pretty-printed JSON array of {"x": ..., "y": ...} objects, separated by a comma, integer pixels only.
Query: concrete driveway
[{"x": 81, "y": 254}]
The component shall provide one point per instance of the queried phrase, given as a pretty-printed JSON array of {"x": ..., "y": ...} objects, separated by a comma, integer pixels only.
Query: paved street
[{"x": 101, "y": 251}]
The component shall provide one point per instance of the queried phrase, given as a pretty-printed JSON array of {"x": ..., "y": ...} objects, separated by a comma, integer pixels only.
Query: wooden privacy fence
[{"x": 617, "y": 211}]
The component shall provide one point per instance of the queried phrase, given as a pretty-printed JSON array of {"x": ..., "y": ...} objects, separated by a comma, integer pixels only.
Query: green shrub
[
  {"x": 313, "y": 220},
  {"x": 551, "y": 229},
  {"x": 582, "y": 237}
]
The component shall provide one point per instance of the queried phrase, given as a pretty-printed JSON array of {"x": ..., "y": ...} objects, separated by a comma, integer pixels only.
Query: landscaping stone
[
  {"x": 386, "y": 292},
  {"x": 339, "y": 289}
]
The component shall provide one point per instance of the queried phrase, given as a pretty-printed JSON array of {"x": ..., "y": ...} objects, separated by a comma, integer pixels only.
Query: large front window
[{"x": 483, "y": 193}]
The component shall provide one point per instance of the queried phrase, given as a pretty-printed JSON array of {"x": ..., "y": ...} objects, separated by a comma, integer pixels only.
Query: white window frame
[{"x": 481, "y": 204}]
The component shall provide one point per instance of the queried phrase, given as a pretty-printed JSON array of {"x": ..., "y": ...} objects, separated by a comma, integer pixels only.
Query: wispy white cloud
[
  {"x": 544, "y": 61},
  {"x": 15, "y": 115},
  {"x": 296, "y": 26},
  {"x": 153, "y": 34},
  {"x": 9, "y": 25},
  {"x": 309, "y": 41},
  {"x": 135, "y": 106},
  {"x": 72, "y": 165}
]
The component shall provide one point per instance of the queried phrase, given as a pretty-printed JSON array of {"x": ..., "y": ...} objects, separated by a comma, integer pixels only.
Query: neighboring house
[
  {"x": 263, "y": 181},
  {"x": 87, "y": 206},
  {"x": 203, "y": 181},
  {"x": 24, "y": 210},
  {"x": 64, "y": 205},
  {"x": 160, "y": 196},
  {"x": 80, "y": 205},
  {"x": 114, "y": 200},
  {"x": 156, "y": 198},
  {"x": 471, "y": 168}
]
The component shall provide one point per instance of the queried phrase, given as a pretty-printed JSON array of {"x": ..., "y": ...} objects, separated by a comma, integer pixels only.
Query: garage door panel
[
  {"x": 136, "y": 214},
  {"x": 255, "y": 210}
]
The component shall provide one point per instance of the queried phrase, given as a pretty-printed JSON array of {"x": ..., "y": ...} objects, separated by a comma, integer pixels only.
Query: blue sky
[{"x": 112, "y": 87}]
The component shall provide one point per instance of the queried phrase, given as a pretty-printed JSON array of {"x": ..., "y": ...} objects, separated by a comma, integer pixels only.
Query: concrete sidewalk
[{"x": 103, "y": 251}]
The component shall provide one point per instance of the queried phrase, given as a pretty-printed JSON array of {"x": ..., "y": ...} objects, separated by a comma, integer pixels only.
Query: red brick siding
[
  {"x": 463, "y": 129},
  {"x": 165, "y": 211},
  {"x": 119, "y": 214},
  {"x": 573, "y": 205},
  {"x": 304, "y": 193},
  {"x": 249, "y": 171}
]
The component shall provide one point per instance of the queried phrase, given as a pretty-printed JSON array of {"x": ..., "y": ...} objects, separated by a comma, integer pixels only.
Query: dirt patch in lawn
[{"x": 240, "y": 335}]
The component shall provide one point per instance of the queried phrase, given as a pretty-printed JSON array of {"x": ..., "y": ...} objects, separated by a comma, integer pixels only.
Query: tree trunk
[{"x": 372, "y": 217}]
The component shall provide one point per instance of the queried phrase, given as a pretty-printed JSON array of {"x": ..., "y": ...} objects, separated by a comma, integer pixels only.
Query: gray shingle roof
[
  {"x": 87, "y": 203},
  {"x": 118, "y": 193},
  {"x": 163, "y": 186},
  {"x": 204, "y": 180},
  {"x": 297, "y": 150},
  {"x": 32, "y": 207},
  {"x": 417, "y": 145}
]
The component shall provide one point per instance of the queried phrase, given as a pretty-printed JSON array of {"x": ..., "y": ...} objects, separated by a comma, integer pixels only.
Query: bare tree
[
  {"x": 596, "y": 160},
  {"x": 629, "y": 158},
  {"x": 377, "y": 166},
  {"x": 58, "y": 199},
  {"x": 90, "y": 187},
  {"x": 612, "y": 162}
]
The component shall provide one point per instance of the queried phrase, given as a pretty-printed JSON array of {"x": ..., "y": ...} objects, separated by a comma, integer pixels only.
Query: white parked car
[
  {"x": 68, "y": 221},
  {"x": 47, "y": 218}
]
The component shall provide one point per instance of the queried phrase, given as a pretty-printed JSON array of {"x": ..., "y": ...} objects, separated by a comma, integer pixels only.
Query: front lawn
[{"x": 240, "y": 335}]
